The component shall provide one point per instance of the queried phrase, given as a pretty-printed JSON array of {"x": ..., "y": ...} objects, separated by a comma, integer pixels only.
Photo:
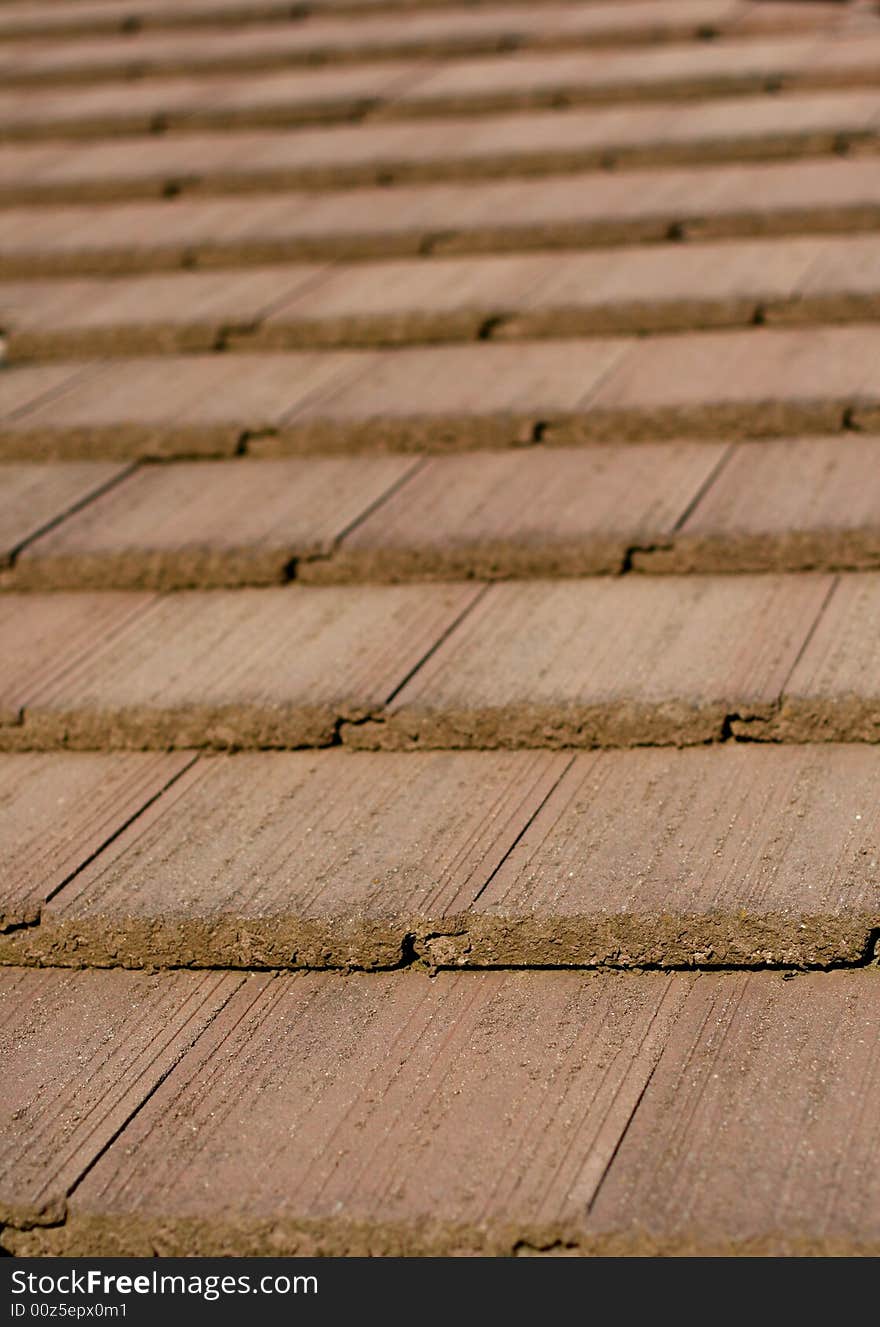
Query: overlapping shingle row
[{"x": 515, "y": 807}]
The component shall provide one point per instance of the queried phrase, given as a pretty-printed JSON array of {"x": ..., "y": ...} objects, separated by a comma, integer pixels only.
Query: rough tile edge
[
  {"x": 672, "y": 722},
  {"x": 628, "y": 724},
  {"x": 17, "y": 912},
  {"x": 120, "y": 1235},
  {"x": 122, "y": 442},
  {"x": 420, "y": 328},
  {"x": 712, "y": 940},
  {"x": 193, "y": 567},
  {"x": 221, "y": 728},
  {"x": 31, "y": 345},
  {"x": 779, "y": 145},
  {"x": 454, "y": 432},
  {"x": 835, "y": 718},
  {"x": 770, "y": 417},
  {"x": 735, "y": 26},
  {"x": 439, "y": 433},
  {"x": 231, "y": 728},
  {"x": 792, "y": 551},
  {"x": 207, "y": 568}
]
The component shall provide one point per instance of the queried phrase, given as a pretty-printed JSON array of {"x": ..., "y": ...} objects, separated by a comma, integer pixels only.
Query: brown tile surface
[
  {"x": 307, "y": 305},
  {"x": 689, "y": 69},
  {"x": 298, "y": 97},
  {"x": 738, "y": 855},
  {"x": 383, "y": 1113},
  {"x": 32, "y": 631},
  {"x": 833, "y": 691},
  {"x": 185, "y": 311},
  {"x": 229, "y": 668},
  {"x": 758, "y": 1132},
  {"x": 541, "y": 512},
  {"x": 642, "y": 288},
  {"x": 22, "y": 389},
  {"x": 840, "y": 283},
  {"x": 664, "y": 287},
  {"x": 434, "y": 32},
  {"x": 296, "y": 860},
  {"x": 155, "y": 407},
  {"x": 109, "y": 16},
  {"x": 731, "y": 188},
  {"x": 221, "y": 93},
  {"x": 705, "y": 384},
  {"x": 56, "y": 812},
  {"x": 449, "y": 397},
  {"x": 80, "y": 1052},
  {"x": 738, "y": 383},
  {"x": 793, "y": 504},
  {"x": 106, "y": 168},
  {"x": 450, "y": 147},
  {"x": 143, "y": 236},
  {"x": 401, "y": 87},
  {"x": 633, "y": 289},
  {"x": 475, "y": 147},
  {"x": 606, "y": 663},
  {"x": 209, "y": 523},
  {"x": 33, "y": 497},
  {"x": 89, "y": 16},
  {"x": 719, "y": 1114},
  {"x": 202, "y": 669},
  {"x": 602, "y": 207}
]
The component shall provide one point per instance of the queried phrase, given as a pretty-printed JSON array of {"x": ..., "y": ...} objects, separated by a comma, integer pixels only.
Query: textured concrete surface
[
  {"x": 758, "y": 1133},
  {"x": 218, "y": 98},
  {"x": 210, "y": 523},
  {"x": 655, "y": 508},
  {"x": 57, "y": 813},
  {"x": 504, "y": 144},
  {"x": 752, "y": 517},
  {"x": 33, "y": 498},
  {"x": 545, "y": 512},
  {"x": 707, "y": 384},
  {"x": 689, "y": 69},
  {"x": 739, "y": 383},
  {"x": 645, "y": 288},
  {"x": 437, "y": 32},
  {"x": 254, "y": 668},
  {"x": 627, "y": 1114},
  {"x": 701, "y": 858},
  {"x": 559, "y": 211},
  {"x": 606, "y": 663},
  {"x": 737, "y": 856},
  {"x": 380, "y": 1147},
  {"x": 834, "y": 688},
  {"x": 183, "y": 311},
  {"x": 29, "y": 20},
  {"x": 656, "y": 661},
  {"x": 627, "y": 278},
  {"x": 127, "y": 1030},
  {"x": 158, "y": 407},
  {"x": 31, "y": 631},
  {"x": 221, "y": 100},
  {"x": 703, "y": 384},
  {"x": 304, "y": 859}
]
